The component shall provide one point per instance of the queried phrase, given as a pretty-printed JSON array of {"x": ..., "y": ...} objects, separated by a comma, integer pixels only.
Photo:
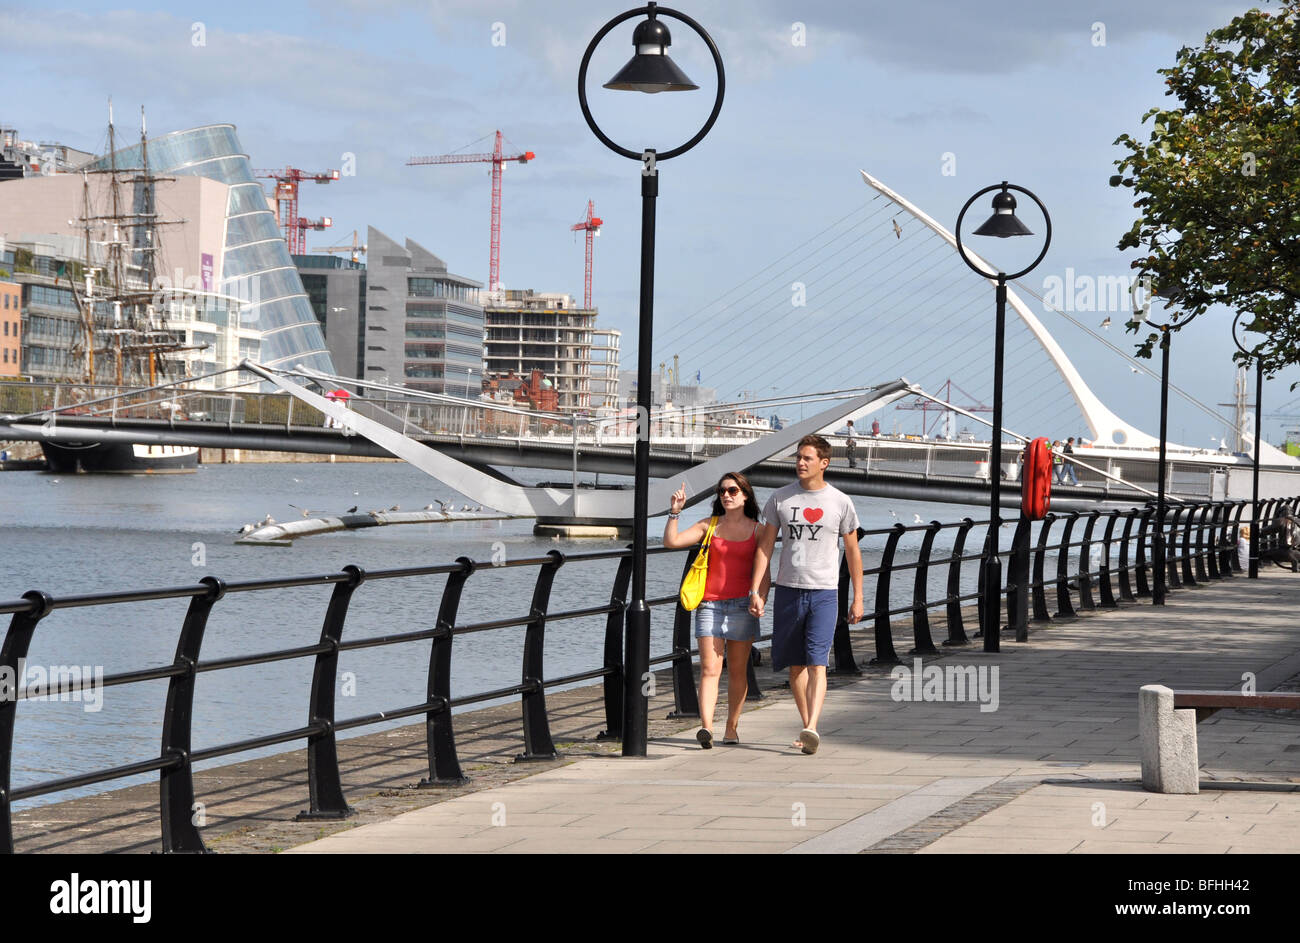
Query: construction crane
[
  {"x": 355, "y": 249},
  {"x": 498, "y": 160},
  {"x": 291, "y": 224},
  {"x": 591, "y": 225},
  {"x": 925, "y": 405}
]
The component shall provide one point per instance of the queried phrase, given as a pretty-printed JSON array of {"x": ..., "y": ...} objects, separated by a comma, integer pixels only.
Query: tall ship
[{"x": 124, "y": 340}]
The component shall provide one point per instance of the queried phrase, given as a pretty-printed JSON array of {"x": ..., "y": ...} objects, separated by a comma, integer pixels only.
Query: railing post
[
  {"x": 1172, "y": 579},
  {"x": 613, "y": 660},
  {"x": 845, "y": 663},
  {"x": 686, "y": 702},
  {"x": 1064, "y": 608},
  {"x": 1209, "y": 548},
  {"x": 1125, "y": 586},
  {"x": 956, "y": 629},
  {"x": 1188, "y": 577},
  {"x": 323, "y": 781},
  {"x": 921, "y": 641},
  {"x": 1086, "y": 602},
  {"x": 885, "y": 654},
  {"x": 1230, "y": 537},
  {"x": 1140, "y": 565},
  {"x": 17, "y": 640},
  {"x": 1018, "y": 582},
  {"x": 537, "y": 729},
  {"x": 1103, "y": 576},
  {"x": 176, "y": 783},
  {"x": 444, "y": 766},
  {"x": 1038, "y": 587}
]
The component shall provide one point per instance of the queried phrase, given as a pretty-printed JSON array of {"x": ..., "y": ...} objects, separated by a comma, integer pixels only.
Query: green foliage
[{"x": 1218, "y": 186}]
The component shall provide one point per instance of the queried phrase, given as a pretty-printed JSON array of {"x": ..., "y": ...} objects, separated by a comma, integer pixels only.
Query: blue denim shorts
[
  {"x": 803, "y": 626},
  {"x": 727, "y": 619}
]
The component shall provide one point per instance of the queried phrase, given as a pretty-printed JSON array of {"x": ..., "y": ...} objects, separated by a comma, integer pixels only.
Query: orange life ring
[{"x": 1036, "y": 480}]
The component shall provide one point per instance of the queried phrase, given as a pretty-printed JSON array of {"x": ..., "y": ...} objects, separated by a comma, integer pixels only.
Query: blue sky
[{"x": 1015, "y": 90}]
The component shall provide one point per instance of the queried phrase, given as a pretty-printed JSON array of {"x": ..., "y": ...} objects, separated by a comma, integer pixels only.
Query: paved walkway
[{"x": 1053, "y": 768}]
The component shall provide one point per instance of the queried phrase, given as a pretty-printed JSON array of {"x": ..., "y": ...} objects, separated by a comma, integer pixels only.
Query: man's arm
[
  {"x": 761, "y": 579},
  {"x": 853, "y": 557}
]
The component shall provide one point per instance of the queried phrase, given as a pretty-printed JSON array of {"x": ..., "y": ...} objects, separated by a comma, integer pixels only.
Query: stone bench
[{"x": 1167, "y": 722}]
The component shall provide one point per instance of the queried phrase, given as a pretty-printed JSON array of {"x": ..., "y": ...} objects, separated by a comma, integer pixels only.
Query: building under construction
[{"x": 545, "y": 331}]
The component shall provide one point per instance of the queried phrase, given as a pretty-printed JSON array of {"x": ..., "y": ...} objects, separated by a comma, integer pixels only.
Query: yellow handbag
[{"x": 692, "y": 592}]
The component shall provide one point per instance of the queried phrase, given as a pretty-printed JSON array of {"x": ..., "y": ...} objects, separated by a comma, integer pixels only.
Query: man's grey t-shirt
[{"x": 809, "y": 524}]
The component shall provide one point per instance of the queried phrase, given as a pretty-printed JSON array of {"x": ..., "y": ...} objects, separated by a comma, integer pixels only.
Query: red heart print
[{"x": 812, "y": 515}]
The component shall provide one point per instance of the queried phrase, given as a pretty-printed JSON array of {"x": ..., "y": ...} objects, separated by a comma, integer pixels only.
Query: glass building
[{"x": 256, "y": 267}]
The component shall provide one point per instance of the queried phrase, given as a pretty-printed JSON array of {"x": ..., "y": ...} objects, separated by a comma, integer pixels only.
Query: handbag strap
[{"x": 708, "y": 538}]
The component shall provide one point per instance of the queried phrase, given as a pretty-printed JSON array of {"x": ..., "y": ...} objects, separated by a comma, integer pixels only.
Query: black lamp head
[
  {"x": 1003, "y": 222},
  {"x": 651, "y": 70}
]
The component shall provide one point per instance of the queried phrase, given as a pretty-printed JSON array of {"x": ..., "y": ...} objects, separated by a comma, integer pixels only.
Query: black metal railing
[{"x": 1201, "y": 541}]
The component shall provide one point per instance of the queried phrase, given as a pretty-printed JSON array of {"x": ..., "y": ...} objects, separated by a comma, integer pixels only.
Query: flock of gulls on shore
[{"x": 445, "y": 507}]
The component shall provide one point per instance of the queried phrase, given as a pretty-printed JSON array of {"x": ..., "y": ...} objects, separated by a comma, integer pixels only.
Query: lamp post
[
  {"x": 1002, "y": 224},
  {"x": 1159, "y": 557},
  {"x": 651, "y": 71},
  {"x": 1253, "y": 572}
]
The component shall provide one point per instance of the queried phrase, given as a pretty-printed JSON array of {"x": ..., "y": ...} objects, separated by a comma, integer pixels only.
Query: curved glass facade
[{"x": 256, "y": 266}]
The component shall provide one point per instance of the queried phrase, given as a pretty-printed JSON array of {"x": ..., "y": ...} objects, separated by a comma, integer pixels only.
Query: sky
[{"x": 937, "y": 98}]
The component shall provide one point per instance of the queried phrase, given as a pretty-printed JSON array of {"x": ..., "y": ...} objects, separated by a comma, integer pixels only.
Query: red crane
[
  {"x": 591, "y": 225},
  {"x": 498, "y": 162},
  {"x": 291, "y": 224}
]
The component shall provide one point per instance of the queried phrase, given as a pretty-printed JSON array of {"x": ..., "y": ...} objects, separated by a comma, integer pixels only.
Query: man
[
  {"x": 1067, "y": 467},
  {"x": 851, "y": 446},
  {"x": 810, "y": 516}
]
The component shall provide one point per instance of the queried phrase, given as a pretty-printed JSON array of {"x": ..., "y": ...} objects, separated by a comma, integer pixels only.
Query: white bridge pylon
[
  {"x": 1106, "y": 427},
  {"x": 563, "y": 503}
]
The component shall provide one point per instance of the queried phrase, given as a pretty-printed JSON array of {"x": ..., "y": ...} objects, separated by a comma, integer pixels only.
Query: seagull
[
  {"x": 267, "y": 521},
  {"x": 247, "y": 528},
  {"x": 916, "y": 519},
  {"x": 428, "y": 507},
  {"x": 898, "y": 230},
  {"x": 893, "y": 514},
  {"x": 1106, "y": 324},
  {"x": 1134, "y": 369},
  {"x": 305, "y": 511},
  {"x": 443, "y": 506},
  {"x": 395, "y": 507},
  {"x": 353, "y": 509}
]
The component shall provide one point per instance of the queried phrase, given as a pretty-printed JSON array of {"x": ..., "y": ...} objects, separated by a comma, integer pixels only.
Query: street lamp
[
  {"x": 650, "y": 70},
  {"x": 1254, "y": 485},
  {"x": 1003, "y": 224},
  {"x": 1159, "y": 557}
]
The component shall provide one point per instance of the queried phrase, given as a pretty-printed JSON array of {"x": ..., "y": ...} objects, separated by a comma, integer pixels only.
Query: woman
[{"x": 722, "y": 621}]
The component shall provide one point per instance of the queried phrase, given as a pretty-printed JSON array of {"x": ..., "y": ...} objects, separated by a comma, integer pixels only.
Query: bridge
[{"x": 468, "y": 445}]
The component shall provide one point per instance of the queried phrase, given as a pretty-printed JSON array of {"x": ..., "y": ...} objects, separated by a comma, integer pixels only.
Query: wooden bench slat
[{"x": 1271, "y": 700}]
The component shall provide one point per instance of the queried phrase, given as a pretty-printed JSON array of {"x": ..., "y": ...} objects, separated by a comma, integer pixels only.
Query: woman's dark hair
[{"x": 751, "y": 502}]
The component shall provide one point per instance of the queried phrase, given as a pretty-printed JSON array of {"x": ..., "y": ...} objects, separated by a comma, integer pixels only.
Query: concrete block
[{"x": 1168, "y": 743}]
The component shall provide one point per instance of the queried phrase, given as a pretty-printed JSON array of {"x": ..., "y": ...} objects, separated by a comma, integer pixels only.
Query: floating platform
[{"x": 283, "y": 534}]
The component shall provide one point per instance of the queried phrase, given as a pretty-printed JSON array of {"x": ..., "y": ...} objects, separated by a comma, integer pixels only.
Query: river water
[{"x": 83, "y": 534}]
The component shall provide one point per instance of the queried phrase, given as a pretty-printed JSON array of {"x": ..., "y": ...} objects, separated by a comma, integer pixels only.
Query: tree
[{"x": 1218, "y": 184}]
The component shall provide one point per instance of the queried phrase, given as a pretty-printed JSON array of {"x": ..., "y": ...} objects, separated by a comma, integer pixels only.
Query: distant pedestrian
[
  {"x": 1067, "y": 467},
  {"x": 851, "y": 447},
  {"x": 875, "y": 427},
  {"x": 1056, "y": 460}
]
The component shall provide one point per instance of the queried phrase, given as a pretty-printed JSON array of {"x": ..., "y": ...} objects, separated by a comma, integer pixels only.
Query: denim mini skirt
[{"x": 727, "y": 619}]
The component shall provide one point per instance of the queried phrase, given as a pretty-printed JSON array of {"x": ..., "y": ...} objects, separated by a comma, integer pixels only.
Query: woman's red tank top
[{"x": 731, "y": 568}]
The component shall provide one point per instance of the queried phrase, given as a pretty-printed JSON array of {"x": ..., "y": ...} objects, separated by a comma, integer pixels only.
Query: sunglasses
[{"x": 732, "y": 491}]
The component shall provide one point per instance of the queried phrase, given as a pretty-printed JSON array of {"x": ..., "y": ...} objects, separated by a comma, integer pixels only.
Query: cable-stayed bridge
[{"x": 878, "y": 293}]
